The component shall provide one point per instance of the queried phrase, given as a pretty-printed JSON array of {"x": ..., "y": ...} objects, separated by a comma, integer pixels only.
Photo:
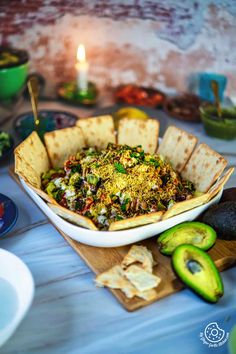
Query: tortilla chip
[
  {"x": 31, "y": 159},
  {"x": 114, "y": 278},
  {"x": 177, "y": 146},
  {"x": 139, "y": 254},
  {"x": 72, "y": 217},
  {"x": 141, "y": 279},
  {"x": 135, "y": 132},
  {"x": 98, "y": 131},
  {"x": 136, "y": 221},
  {"x": 63, "y": 143},
  {"x": 204, "y": 167},
  {"x": 219, "y": 184}
]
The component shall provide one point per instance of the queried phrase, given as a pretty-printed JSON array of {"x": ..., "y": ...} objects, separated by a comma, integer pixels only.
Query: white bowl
[
  {"x": 115, "y": 238},
  {"x": 16, "y": 293}
]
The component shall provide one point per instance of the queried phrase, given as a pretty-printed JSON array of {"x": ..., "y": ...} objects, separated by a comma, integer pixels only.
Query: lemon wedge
[{"x": 130, "y": 113}]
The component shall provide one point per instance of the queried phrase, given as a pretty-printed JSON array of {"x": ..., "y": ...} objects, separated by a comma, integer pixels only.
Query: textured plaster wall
[{"x": 156, "y": 43}]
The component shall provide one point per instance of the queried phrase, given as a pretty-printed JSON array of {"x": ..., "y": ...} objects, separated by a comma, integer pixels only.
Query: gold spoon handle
[
  {"x": 33, "y": 88},
  {"x": 215, "y": 90}
]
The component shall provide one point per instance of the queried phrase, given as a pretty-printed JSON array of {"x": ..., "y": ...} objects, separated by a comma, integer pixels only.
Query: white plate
[
  {"x": 17, "y": 292},
  {"x": 115, "y": 238}
]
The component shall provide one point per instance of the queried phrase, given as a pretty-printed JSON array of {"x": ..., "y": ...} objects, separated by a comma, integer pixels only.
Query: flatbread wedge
[
  {"x": 135, "y": 132},
  {"x": 31, "y": 159},
  {"x": 204, "y": 167},
  {"x": 219, "y": 184},
  {"x": 26, "y": 172},
  {"x": 141, "y": 255},
  {"x": 136, "y": 221},
  {"x": 72, "y": 217},
  {"x": 177, "y": 146},
  {"x": 141, "y": 279},
  {"x": 62, "y": 143},
  {"x": 98, "y": 131},
  {"x": 186, "y": 205},
  {"x": 114, "y": 278}
]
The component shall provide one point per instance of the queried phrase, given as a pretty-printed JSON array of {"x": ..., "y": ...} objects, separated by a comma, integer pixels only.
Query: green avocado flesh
[
  {"x": 194, "y": 233},
  {"x": 198, "y": 271}
]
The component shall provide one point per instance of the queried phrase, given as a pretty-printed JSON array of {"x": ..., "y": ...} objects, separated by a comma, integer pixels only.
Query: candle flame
[{"x": 81, "y": 56}]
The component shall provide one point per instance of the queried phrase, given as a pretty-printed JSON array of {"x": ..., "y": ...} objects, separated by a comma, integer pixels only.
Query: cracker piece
[
  {"x": 141, "y": 279},
  {"x": 139, "y": 254},
  {"x": 219, "y": 184},
  {"x": 98, "y": 131},
  {"x": 136, "y": 221},
  {"x": 31, "y": 159},
  {"x": 114, "y": 278},
  {"x": 73, "y": 217},
  {"x": 177, "y": 146},
  {"x": 63, "y": 143},
  {"x": 135, "y": 132},
  {"x": 185, "y": 205},
  {"x": 204, "y": 167}
]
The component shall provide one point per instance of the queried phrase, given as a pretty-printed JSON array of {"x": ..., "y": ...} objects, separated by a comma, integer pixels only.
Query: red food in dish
[
  {"x": 1, "y": 210},
  {"x": 141, "y": 96}
]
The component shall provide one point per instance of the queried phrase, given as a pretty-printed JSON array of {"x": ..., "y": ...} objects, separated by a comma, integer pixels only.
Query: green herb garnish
[
  {"x": 118, "y": 217},
  {"x": 124, "y": 205},
  {"x": 120, "y": 168},
  {"x": 154, "y": 162},
  {"x": 76, "y": 168}
]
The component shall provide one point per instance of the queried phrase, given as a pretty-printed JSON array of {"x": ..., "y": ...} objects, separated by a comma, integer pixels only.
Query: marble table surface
[{"x": 69, "y": 315}]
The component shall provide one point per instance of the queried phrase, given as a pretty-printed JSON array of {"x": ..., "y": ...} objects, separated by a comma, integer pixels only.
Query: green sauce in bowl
[{"x": 223, "y": 127}]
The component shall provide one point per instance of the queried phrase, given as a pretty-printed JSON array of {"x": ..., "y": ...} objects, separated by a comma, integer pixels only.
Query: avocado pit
[{"x": 194, "y": 266}]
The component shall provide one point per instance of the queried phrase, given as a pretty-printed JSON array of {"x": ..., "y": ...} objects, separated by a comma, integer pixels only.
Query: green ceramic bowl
[
  {"x": 222, "y": 128},
  {"x": 13, "y": 73}
]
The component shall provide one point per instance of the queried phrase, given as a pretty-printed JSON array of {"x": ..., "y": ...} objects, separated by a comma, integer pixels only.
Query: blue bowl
[
  {"x": 10, "y": 214},
  {"x": 49, "y": 120}
]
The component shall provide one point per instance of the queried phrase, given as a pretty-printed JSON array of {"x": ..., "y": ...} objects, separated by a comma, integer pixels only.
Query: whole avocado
[
  {"x": 228, "y": 194},
  {"x": 222, "y": 218}
]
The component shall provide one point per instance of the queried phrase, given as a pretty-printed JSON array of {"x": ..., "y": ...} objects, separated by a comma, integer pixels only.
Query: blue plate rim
[{"x": 12, "y": 224}]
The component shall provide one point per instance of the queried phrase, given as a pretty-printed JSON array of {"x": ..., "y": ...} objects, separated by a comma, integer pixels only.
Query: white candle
[{"x": 82, "y": 67}]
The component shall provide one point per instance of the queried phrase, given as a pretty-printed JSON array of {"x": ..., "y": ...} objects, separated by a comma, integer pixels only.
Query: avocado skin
[
  {"x": 222, "y": 218},
  {"x": 199, "y": 255}
]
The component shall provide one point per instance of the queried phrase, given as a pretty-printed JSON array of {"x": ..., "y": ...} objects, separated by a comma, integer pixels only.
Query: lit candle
[{"x": 82, "y": 67}]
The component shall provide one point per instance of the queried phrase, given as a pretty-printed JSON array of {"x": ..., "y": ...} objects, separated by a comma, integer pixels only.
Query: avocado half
[
  {"x": 193, "y": 232},
  {"x": 198, "y": 271}
]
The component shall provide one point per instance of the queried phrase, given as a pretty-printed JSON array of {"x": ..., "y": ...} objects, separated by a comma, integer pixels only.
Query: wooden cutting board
[{"x": 100, "y": 259}]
